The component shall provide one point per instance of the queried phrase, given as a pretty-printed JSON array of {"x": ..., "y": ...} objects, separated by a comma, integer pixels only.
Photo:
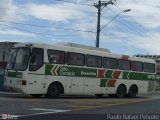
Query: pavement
[{"x": 20, "y": 106}]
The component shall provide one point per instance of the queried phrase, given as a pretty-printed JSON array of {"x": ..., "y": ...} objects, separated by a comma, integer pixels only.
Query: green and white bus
[{"x": 72, "y": 69}]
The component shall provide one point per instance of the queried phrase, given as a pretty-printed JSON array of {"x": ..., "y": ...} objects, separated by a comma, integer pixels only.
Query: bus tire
[
  {"x": 99, "y": 95},
  {"x": 121, "y": 91},
  {"x": 36, "y": 95},
  {"x": 133, "y": 90},
  {"x": 54, "y": 91}
]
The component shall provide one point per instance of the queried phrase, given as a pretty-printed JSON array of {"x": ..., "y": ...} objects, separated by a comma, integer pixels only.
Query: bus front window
[
  {"x": 12, "y": 58},
  {"x": 19, "y": 59}
]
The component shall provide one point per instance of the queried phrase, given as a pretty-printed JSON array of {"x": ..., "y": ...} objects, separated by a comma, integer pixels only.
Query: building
[{"x": 5, "y": 49}]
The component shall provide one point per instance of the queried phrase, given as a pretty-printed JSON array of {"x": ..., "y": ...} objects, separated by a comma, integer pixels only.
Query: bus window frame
[
  {"x": 150, "y": 64},
  {"x": 31, "y": 58},
  {"x": 141, "y": 66},
  {"x": 94, "y": 56},
  {"x": 124, "y": 60},
  {"x": 116, "y": 66},
  {"x": 64, "y": 60},
  {"x": 75, "y": 53}
]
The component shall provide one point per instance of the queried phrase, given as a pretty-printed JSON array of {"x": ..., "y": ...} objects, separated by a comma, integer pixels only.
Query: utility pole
[{"x": 99, "y": 7}]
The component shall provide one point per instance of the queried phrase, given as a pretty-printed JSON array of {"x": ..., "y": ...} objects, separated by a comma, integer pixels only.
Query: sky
[{"x": 75, "y": 21}]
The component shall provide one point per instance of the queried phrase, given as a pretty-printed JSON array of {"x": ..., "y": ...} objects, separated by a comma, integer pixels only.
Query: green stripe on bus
[
  {"x": 103, "y": 82},
  {"x": 14, "y": 74},
  {"x": 125, "y": 75},
  {"x": 70, "y": 71},
  {"x": 62, "y": 70},
  {"x": 141, "y": 76},
  {"x": 48, "y": 69},
  {"x": 108, "y": 74}
]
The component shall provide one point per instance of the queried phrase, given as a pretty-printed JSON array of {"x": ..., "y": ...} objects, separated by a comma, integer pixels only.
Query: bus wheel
[
  {"x": 53, "y": 91},
  {"x": 121, "y": 91},
  {"x": 36, "y": 95},
  {"x": 133, "y": 90},
  {"x": 99, "y": 95}
]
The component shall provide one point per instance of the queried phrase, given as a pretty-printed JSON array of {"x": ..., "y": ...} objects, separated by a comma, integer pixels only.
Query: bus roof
[{"x": 85, "y": 47}]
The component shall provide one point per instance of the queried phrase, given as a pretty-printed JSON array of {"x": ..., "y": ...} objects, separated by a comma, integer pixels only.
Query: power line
[
  {"x": 136, "y": 30},
  {"x": 129, "y": 25},
  {"x": 42, "y": 26},
  {"x": 123, "y": 24},
  {"x": 40, "y": 33},
  {"x": 127, "y": 10},
  {"x": 79, "y": 3},
  {"x": 140, "y": 26},
  {"x": 26, "y": 10}
]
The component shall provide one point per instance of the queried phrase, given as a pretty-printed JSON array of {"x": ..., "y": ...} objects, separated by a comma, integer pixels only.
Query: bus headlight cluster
[{"x": 23, "y": 82}]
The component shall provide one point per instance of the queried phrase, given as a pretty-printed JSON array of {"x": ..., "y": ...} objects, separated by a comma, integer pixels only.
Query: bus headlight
[{"x": 23, "y": 82}]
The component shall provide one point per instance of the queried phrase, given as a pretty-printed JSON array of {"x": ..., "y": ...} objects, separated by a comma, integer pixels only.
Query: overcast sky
[{"x": 75, "y": 21}]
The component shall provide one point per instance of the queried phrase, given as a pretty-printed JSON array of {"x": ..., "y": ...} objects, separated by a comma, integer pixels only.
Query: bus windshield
[{"x": 18, "y": 59}]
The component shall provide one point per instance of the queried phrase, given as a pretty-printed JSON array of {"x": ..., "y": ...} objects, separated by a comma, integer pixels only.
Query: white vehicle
[{"x": 71, "y": 69}]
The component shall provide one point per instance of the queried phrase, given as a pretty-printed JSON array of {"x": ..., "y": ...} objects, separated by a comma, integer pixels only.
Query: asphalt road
[{"x": 20, "y": 106}]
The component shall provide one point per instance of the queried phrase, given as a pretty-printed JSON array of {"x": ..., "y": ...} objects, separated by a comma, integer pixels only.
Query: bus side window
[
  {"x": 149, "y": 67},
  {"x": 110, "y": 63},
  {"x": 36, "y": 61},
  {"x": 136, "y": 66},
  {"x": 75, "y": 59},
  {"x": 93, "y": 61},
  {"x": 56, "y": 57},
  {"x": 124, "y": 64}
]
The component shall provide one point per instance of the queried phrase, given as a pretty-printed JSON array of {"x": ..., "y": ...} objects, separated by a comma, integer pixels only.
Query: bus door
[
  {"x": 36, "y": 76},
  {"x": 77, "y": 85},
  {"x": 91, "y": 85},
  {"x": 68, "y": 85}
]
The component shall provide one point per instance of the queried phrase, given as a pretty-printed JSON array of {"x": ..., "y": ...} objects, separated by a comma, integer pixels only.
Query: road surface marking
[
  {"x": 46, "y": 111},
  {"x": 107, "y": 105},
  {"x": 51, "y": 110},
  {"x": 80, "y": 107}
]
